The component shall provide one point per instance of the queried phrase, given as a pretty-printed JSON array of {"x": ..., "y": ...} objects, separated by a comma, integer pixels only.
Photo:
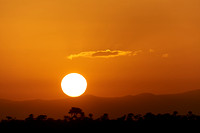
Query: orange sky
[{"x": 122, "y": 47}]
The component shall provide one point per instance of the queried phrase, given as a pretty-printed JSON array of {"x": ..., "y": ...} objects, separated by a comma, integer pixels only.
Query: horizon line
[{"x": 86, "y": 95}]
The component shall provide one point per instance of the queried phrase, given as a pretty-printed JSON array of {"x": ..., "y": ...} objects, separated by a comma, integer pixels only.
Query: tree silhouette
[
  {"x": 30, "y": 118},
  {"x": 82, "y": 115},
  {"x": 149, "y": 116},
  {"x": 74, "y": 111},
  {"x": 189, "y": 113},
  {"x": 130, "y": 121},
  {"x": 190, "y": 116},
  {"x": 105, "y": 117},
  {"x": 41, "y": 117},
  {"x": 66, "y": 118},
  {"x": 121, "y": 118},
  {"x": 130, "y": 117},
  {"x": 138, "y": 117},
  {"x": 9, "y": 118},
  {"x": 90, "y": 116},
  {"x": 175, "y": 113}
]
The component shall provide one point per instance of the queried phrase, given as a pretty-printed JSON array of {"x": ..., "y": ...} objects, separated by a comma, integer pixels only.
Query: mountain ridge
[{"x": 114, "y": 106}]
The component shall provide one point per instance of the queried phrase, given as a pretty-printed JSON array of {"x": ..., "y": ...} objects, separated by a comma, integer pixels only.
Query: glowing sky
[{"x": 122, "y": 47}]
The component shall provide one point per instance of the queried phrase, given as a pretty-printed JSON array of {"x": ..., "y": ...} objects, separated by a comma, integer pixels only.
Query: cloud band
[{"x": 103, "y": 54}]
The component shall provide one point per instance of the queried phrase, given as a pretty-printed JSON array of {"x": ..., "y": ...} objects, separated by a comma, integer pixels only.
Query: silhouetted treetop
[{"x": 77, "y": 118}]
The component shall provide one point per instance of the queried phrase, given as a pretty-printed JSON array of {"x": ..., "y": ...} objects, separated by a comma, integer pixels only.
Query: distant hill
[{"x": 115, "y": 107}]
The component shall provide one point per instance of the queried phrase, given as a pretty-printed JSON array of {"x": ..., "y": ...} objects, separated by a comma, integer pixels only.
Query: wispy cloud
[
  {"x": 103, "y": 54},
  {"x": 165, "y": 55},
  {"x": 151, "y": 50}
]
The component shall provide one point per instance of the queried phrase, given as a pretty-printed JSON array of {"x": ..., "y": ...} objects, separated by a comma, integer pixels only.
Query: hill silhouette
[{"x": 115, "y": 106}]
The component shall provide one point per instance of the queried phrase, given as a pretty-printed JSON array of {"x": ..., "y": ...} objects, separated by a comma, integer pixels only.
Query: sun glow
[{"x": 73, "y": 84}]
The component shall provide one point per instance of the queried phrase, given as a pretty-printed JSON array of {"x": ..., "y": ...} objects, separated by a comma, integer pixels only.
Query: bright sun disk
[{"x": 73, "y": 84}]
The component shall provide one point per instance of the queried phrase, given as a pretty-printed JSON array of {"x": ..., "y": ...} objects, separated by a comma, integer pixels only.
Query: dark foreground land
[{"x": 77, "y": 120}]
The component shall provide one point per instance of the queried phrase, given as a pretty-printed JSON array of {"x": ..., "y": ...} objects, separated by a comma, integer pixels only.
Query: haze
[{"x": 122, "y": 47}]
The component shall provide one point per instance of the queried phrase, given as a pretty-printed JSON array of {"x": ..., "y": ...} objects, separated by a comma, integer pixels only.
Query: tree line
[{"x": 76, "y": 118}]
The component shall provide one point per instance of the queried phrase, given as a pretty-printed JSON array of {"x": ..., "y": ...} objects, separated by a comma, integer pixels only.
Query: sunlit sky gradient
[{"x": 122, "y": 47}]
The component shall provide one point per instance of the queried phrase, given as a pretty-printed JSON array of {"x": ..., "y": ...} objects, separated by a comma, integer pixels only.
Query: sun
[{"x": 73, "y": 84}]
